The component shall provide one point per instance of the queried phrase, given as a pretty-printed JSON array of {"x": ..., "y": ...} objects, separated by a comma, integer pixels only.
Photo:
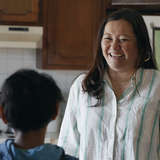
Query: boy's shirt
[{"x": 43, "y": 152}]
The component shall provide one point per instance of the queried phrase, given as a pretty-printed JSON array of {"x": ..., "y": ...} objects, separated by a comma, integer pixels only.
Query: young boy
[{"x": 28, "y": 102}]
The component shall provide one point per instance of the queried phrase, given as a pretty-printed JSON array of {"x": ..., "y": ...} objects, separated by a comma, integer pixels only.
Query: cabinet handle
[{"x": 23, "y": 29}]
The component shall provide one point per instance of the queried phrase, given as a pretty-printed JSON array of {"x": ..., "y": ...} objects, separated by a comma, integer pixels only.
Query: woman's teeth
[{"x": 116, "y": 55}]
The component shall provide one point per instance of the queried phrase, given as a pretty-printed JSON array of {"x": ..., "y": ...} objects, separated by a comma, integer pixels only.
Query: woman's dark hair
[
  {"x": 29, "y": 99},
  {"x": 93, "y": 82}
]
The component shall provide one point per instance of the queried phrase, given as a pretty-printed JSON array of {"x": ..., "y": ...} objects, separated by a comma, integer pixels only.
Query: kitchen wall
[{"x": 13, "y": 59}]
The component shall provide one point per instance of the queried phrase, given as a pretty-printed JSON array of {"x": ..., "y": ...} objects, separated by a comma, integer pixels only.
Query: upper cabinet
[
  {"x": 70, "y": 30},
  {"x": 149, "y": 7},
  {"x": 20, "y": 12},
  {"x": 135, "y": 2},
  {"x": 70, "y": 26}
]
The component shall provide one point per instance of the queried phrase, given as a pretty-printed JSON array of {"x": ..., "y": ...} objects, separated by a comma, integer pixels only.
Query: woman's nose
[{"x": 115, "y": 44}]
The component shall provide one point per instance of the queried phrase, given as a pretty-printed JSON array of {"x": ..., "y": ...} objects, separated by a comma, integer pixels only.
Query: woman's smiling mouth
[{"x": 116, "y": 55}]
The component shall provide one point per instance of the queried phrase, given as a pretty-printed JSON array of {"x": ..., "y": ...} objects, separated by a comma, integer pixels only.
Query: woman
[{"x": 113, "y": 111}]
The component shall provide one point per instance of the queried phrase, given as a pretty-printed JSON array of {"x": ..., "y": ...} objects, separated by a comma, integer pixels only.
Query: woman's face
[{"x": 119, "y": 46}]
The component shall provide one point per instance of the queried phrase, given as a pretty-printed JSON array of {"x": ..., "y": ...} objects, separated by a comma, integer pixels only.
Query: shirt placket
[{"x": 112, "y": 136}]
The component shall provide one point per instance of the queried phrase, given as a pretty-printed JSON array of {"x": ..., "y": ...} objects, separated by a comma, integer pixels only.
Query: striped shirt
[{"x": 124, "y": 129}]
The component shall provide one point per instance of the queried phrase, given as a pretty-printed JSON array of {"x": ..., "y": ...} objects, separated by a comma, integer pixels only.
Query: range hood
[{"x": 20, "y": 36}]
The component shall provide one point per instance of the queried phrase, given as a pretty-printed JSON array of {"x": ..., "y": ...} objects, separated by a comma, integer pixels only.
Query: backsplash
[{"x": 14, "y": 59}]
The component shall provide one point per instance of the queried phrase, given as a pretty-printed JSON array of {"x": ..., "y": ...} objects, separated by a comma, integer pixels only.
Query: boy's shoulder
[
  {"x": 63, "y": 156},
  {"x": 44, "y": 150},
  {"x": 4, "y": 154},
  {"x": 67, "y": 157}
]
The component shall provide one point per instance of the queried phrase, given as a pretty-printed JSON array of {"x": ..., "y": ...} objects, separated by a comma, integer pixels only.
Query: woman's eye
[
  {"x": 123, "y": 40},
  {"x": 108, "y": 38}
]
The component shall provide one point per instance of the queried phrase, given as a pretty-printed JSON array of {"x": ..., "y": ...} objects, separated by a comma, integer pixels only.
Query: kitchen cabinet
[
  {"x": 136, "y": 2},
  {"x": 70, "y": 30},
  {"x": 146, "y": 7},
  {"x": 20, "y": 12}
]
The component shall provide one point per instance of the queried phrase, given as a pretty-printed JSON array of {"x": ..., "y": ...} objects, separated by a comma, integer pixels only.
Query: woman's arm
[{"x": 69, "y": 137}]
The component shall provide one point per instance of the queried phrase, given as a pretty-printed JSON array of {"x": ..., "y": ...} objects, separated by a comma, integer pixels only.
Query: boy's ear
[
  {"x": 57, "y": 109},
  {"x": 2, "y": 116}
]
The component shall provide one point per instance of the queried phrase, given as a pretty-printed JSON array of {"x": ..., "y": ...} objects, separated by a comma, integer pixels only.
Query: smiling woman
[
  {"x": 113, "y": 111},
  {"x": 119, "y": 46}
]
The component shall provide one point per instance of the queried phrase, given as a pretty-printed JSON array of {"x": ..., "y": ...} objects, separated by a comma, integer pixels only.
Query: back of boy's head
[{"x": 29, "y": 99}]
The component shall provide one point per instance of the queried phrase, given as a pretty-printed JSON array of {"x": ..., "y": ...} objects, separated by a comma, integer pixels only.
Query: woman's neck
[
  {"x": 30, "y": 139},
  {"x": 120, "y": 81},
  {"x": 121, "y": 76}
]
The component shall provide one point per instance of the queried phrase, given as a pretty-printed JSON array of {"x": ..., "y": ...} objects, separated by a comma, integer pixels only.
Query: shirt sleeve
[
  {"x": 69, "y": 138},
  {"x": 159, "y": 141}
]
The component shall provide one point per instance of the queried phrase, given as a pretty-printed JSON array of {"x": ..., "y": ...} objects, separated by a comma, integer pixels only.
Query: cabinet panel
[
  {"x": 19, "y": 10},
  {"x": 70, "y": 29},
  {"x": 136, "y": 2},
  {"x": 145, "y": 7}
]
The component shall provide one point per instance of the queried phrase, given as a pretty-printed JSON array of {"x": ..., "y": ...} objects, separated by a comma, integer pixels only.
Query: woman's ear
[
  {"x": 2, "y": 116},
  {"x": 57, "y": 109}
]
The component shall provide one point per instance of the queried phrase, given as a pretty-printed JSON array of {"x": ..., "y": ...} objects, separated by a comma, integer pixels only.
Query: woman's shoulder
[
  {"x": 149, "y": 72},
  {"x": 77, "y": 82},
  {"x": 152, "y": 74}
]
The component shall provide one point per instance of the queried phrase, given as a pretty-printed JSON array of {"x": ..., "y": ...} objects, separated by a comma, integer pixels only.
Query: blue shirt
[{"x": 43, "y": 152}]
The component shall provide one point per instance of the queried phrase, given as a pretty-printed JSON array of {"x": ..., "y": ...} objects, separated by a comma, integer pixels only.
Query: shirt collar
[{"x": 134, "y": 79}]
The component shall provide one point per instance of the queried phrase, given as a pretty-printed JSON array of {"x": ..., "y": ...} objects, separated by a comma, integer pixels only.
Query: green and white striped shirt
[{"x": 127, "y": 129}]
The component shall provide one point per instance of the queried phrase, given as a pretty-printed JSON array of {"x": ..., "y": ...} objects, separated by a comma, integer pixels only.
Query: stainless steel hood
[{"x": 20, "y": 36}]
